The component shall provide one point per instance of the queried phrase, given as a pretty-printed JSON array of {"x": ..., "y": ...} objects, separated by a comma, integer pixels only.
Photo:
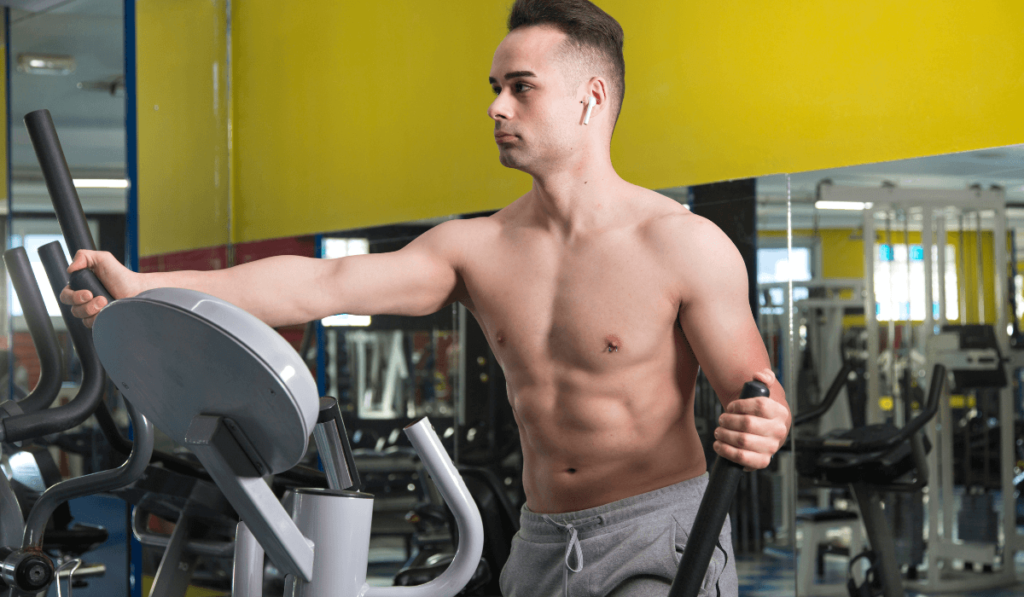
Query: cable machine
[{"x": 964, "y": 346}]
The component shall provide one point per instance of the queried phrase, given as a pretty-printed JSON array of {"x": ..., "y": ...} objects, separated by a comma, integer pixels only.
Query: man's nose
[{"x": 499, "y": 108}]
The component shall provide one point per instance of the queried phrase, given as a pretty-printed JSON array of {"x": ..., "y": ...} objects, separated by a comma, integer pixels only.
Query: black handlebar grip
[
  {"x": 72, "y": 414},
  {"x": 58, "y": 181},
  {"x": 84, "y": 279},
  {"x": 41, "y": 329},
  {"x": 722, "y": 483}
]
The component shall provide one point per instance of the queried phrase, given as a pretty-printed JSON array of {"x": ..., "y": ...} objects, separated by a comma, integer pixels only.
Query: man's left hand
[{"x": 751, "y": 430}]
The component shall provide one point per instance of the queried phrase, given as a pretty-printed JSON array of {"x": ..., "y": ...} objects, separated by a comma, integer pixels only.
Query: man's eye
[
  {"x": 496, "y": 90},
  {"x": 520, "y": 87}
]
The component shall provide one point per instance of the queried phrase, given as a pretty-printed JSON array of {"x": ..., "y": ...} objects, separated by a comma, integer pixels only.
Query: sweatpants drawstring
[{"x": 572, "y": 546}]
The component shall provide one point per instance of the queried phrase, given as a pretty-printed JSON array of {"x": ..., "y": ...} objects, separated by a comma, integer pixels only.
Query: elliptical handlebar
[
  {"x": 830, "y": 396},
  {"x": 76, "y": 232},
  {"x": 903, "y": 434},
  {"x": 41, "y": 329},
  {"x": 72, "y": 414},
  {"x": 127, "y": 473},
  {"x": 63, "y": 195},
  {"x": 714, "y": 507}
]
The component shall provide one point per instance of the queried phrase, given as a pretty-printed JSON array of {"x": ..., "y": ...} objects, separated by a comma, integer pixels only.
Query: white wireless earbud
[{"x": 590, "y": 106}]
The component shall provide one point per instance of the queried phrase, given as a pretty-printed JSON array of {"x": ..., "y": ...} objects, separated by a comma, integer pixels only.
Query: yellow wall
[
  {"x": 183, "y": 124},
  {"x": 356, "y": 113},
  {"x": 353, "y": 114}
]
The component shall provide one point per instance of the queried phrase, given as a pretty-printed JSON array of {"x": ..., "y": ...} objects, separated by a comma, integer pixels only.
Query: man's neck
[{"x": 576, "y": 199}]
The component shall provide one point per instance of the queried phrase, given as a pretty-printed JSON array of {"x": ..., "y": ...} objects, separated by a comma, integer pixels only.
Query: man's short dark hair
[{"x": 592, "y": 33}]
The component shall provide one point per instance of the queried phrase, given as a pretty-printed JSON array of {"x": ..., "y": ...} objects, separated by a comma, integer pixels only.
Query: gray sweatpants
[{"x": 628, "y": 548}]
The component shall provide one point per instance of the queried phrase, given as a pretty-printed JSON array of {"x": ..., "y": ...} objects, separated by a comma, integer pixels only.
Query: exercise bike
[{"x": 870, "y": 460}]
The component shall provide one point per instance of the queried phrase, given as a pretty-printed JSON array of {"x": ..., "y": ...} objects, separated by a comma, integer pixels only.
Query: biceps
[
  {"x": 398, "y": 283},
  {"x": 720, "y": 328}
]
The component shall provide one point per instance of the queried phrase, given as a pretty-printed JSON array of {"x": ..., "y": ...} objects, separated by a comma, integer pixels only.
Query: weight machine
[{"x": 932, "y": 212}]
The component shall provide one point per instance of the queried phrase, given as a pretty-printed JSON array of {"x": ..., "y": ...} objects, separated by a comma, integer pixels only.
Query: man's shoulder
[
  {"x": 674, "y": 225},
  {"x": 463, "y": 228}
]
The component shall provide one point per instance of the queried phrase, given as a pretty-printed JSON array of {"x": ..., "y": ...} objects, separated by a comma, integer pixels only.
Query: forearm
[{"x": 278, "y": 290}]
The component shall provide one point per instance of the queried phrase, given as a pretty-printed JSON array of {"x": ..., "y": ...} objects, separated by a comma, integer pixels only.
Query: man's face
[{"x": 535, "y": 114}]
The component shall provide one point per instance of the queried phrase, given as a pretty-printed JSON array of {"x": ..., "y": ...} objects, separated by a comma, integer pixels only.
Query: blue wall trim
[
  {"x": 131, "y": 138},
  {"x": 131, "y": 231}
]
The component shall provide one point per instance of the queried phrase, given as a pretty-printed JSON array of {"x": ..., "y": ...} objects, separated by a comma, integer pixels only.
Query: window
[
  {"x": 773, "y": 266},
  {"x": 899, "y": 289}
]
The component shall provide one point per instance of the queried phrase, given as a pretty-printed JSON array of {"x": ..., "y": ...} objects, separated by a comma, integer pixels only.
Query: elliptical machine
[{"x": 223, "y": 383}]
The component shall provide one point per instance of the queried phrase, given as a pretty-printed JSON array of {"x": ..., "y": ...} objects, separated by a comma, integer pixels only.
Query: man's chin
[{"x": 511, "y": 161}]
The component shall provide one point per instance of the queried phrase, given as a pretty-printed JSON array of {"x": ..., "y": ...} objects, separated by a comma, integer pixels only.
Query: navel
[{"x": 572, "y": 470}]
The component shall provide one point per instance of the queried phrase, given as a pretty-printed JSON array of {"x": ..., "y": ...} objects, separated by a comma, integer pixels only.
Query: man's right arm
[{"x": 419, "y": 279}]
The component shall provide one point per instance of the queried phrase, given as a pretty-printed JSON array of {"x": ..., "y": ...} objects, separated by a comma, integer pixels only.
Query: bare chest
[{"x": 594, "y": 308}]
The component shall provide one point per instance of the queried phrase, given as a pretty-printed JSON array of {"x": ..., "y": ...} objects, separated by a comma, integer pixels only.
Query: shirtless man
[{"x": 597, "y": 297}]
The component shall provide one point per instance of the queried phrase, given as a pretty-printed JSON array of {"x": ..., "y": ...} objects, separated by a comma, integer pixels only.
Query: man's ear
[{"x": 595, "y": 98}]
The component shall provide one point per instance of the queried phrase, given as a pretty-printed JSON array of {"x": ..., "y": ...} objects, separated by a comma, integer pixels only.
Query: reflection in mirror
[
  {"x": 66, "y": 57},
  {"x": 898, "y": 268}
]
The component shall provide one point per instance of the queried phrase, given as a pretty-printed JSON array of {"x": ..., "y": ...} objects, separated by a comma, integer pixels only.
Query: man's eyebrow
[{"x": 513, "y": 75}]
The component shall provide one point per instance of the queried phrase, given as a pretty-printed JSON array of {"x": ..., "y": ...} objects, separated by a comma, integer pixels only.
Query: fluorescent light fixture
[
  {"x": 46, "y": 64},
  {"x": 101, "y": 183},
  {"x": 847, "y": 205}
]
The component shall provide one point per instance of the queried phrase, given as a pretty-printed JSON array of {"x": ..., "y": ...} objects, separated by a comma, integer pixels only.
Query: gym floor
[{"x": 773, "y": 574}]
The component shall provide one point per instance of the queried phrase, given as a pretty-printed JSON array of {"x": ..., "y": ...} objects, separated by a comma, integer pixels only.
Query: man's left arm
[{"x": 716, "y": 318}]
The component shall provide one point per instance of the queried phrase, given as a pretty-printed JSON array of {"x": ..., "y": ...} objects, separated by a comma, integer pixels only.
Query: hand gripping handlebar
[
  {"x": 63, "y": 195},
  {"x": 714, "y": 507}
]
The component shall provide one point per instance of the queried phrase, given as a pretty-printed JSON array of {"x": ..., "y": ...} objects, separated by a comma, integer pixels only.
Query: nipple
[{"x": 612, "y": 344}]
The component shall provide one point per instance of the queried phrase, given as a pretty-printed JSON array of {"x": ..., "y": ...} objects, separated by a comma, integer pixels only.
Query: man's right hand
[{"x": 120, "y": 282}]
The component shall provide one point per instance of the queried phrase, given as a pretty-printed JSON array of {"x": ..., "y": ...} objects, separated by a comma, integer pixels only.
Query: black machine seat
[{"x": 878, "y": 467}]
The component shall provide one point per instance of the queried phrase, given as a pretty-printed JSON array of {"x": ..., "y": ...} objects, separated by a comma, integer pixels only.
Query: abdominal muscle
[{"x": 589, "y": 440}]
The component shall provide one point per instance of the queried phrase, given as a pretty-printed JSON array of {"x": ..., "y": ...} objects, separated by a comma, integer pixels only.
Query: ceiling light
[
  {"x": 847, "y": 205},
  {"x": 101, "y": 183},
  {"x": 46, "y": 64}
]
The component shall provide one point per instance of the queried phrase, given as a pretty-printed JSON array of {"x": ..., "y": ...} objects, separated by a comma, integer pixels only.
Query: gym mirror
[{"x": 897, "y": 267}]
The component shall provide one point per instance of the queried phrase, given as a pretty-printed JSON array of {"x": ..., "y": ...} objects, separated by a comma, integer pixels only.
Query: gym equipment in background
[{"x": 870, "y": 460}]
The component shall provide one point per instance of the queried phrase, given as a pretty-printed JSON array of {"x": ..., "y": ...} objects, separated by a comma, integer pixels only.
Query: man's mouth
[{"x": 503, "y": 137}]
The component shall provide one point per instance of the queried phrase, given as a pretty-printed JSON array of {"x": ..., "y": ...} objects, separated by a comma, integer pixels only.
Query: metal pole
[
  {"x": 873, "y": 414},
  {"x": 1012, "y": 540},
  {"x": 908, "y": 330},
  {"x": 873, "y": 516},
  {"x": 927, "y": 246},
  {"x": 894, "y": 386},
  {"x": 980, "y": 275},
  {"x": 961, "y": 272},
  {"x": 941, "y": 239}
]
